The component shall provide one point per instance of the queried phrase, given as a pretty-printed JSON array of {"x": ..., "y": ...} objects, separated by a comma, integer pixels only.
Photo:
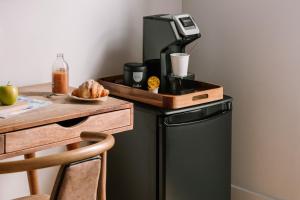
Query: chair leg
[
  {"x": 103, "y": 175},
  {"x": 32, "y": 177}
]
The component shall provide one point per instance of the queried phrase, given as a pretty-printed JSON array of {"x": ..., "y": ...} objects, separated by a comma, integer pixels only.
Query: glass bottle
[{"x": 60, "y": 76}]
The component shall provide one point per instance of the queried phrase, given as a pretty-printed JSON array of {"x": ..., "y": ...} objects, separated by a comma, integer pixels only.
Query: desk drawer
[
  {"x": 53, "y": 133},
  {"x": 1, "y": 144}
]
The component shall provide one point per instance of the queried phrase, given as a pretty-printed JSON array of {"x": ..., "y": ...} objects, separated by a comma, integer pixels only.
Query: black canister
[{"x": 135, "y": 75}]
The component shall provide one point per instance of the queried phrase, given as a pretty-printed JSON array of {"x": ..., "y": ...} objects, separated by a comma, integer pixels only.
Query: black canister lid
[{"x": 134, "y": 67}]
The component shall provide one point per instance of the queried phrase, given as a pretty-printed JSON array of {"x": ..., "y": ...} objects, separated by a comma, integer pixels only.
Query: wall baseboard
[{"x": 238, "y": 193}]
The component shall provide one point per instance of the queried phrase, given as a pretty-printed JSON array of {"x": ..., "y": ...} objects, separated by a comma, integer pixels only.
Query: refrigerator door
[{"x": 196, "y": 151}]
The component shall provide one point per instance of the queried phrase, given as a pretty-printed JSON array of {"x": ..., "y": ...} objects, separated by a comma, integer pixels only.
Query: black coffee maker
[{"x": 163, "y": 35}]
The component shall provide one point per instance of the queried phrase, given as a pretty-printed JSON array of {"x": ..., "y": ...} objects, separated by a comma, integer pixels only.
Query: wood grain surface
[
  {"x": 42, "y": 135},
  {"x": 58, "y": 143},
  {"x": 62, "y": 108}
]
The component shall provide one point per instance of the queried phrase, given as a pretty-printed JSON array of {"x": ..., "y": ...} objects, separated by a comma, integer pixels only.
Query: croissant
[{"x": 90, "y": 90}]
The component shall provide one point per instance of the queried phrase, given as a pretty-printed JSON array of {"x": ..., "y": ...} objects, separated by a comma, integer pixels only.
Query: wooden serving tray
[{"x": 206, "y": 92}]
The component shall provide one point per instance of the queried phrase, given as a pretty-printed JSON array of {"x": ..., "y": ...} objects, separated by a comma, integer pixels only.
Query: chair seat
[{"x": 35, "y": 197}]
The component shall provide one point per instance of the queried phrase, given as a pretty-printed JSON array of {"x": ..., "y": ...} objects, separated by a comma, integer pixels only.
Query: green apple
[{"x": 8, "y": 94}]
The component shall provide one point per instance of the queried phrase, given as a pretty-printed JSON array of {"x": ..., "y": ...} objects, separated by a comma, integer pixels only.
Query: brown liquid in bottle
[{"x": 60, "y": 82}]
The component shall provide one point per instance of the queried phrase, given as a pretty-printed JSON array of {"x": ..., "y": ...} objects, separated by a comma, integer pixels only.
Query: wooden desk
[{"x": 58, "y": 124}]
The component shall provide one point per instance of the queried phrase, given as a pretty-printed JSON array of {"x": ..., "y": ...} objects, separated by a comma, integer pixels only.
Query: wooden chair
[{"x": 82, "y": 175}]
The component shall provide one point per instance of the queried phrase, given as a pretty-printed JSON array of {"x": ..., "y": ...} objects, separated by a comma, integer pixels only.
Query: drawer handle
[
  {"x": 200, "y": 97},
  {"x": 72, "y": 122}
]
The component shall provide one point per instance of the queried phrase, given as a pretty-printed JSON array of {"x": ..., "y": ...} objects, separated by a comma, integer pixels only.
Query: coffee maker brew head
[{"x": 163, "y": 35}]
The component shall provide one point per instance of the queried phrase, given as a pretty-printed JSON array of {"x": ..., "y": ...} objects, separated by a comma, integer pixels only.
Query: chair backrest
[
  {"x": 79, "y": 180},
  {"x": 82, "y": 175}
]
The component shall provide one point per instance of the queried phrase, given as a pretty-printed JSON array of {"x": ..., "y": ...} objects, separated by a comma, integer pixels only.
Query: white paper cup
[{"x": 180, "y": 63}]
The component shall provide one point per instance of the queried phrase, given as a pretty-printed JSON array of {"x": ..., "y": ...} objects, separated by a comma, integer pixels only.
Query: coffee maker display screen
[{"x": 186, "y": 21}]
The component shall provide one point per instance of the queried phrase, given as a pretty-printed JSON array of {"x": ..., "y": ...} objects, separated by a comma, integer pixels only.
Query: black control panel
[{"x": 186, "y": 21}]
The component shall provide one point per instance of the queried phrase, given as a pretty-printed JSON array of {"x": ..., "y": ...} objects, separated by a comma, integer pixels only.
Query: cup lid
[
  {"x": 179, "y": 54},
  {"x": 133, "y": 66}
]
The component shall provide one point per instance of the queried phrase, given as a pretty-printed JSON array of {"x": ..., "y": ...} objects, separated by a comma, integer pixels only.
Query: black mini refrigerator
[{"x": 182, "y": 154}]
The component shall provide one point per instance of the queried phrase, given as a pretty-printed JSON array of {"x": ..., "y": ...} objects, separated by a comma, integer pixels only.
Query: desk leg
[
  {"x": 32, "y": 177},
  {"x": 73, "y": 146}
]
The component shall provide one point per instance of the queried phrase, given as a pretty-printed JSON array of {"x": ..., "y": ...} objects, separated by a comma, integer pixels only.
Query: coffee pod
[
  {"x": 153, "y": 84},
  {"x": 153, "y": 90}
]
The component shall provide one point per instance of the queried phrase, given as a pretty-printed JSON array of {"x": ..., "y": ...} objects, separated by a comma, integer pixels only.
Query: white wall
[
  {"x": 252, "y": 48},
  {"x": 97, "y": 37}
]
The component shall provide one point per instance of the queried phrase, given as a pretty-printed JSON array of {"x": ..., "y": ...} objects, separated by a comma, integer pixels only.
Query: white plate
[{"x": 102, "y": 99}]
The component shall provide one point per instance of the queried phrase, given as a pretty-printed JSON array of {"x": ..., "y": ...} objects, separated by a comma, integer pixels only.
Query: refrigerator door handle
[{"x": 211, "y": 117}]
